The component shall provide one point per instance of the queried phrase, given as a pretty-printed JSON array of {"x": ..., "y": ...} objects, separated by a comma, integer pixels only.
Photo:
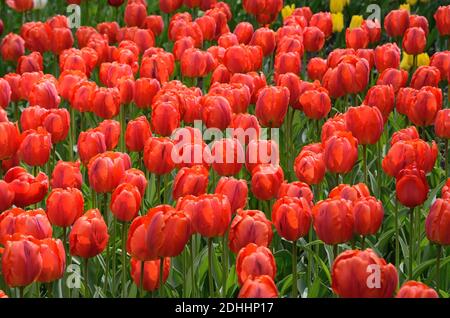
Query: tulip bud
[
  {"x": 253, "y": 261},
  {"x": 413, "y": 289},
  {"x": 259, "y": 287},
  {"x": 64, "y": 206}
]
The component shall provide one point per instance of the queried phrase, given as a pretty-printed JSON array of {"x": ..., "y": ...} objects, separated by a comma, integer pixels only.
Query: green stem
[
  {"x": 72, "y": 133},
  {"x": 224, "y": 265},
  {"x": 397, "y": 239},
  {"x": 210, "y": 264},
  {"x": 105, "y": 211},
  {"x": 86, "y": 277},
  {"x": 446, "y": 150},
  {"x": 363, "y": 242},
  {"x": 310, "y": 260},
  {"x": 122, "y": 128},
  {"x": 335, "y": 251},
  {"x": 114, "y": 262},
  {"x": 124, "y": 259},
  {"x": 411, "y": 243},
  {"x": 438, "y": 267},
  {"x": 194, "y": 289},
  {"x": 294, "y": 270},
  {"x": 141, "y": 280},
  {"x": 379, "y": 159},
  {"x": 365, "y": 163},
  {"x": 158, "y": 189},
  {"x": 21, "y": 291},
  {"x": 161, "y": 277}
]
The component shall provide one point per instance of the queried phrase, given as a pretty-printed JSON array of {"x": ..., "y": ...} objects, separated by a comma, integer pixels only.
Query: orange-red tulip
[
  {"x": 30, "y": 63},
  {"x": 437, "y": 224},
  {"x": 266, "y": 181},
  {"x": 441, "y": 16},
  {"x": 35, "y": 147},
  {"x": 253, "y": 261},
  {"x": 27, "y": 188},
  {"x": 424, "y": 106},
  {"x": 340, "y": 152},
  {"x": 228, "y": 156},
  {"x": 368, "y": 215},
  {"x": 137, "y": 133},
  {"x": 357, "y": 38},
  {"x": 144, "y": 91},
  {"x": 89, "y": 235},
  {"x": 151, "y": 277},
  {"x": 292, "y": 217},
  {"x": 392, "y": 76},
  {"x": 193, "y": 181},
  {"x": 165, "y": 118},
  {"x": 414, "y": 40},
  {"x": 350, "y": 193},
  {"x": 6, "y": 196},
  {"x": 411, "y": 187},
  {"x": 57, "y": 123},
  {"x": 387, "y": 56},
  {"x": 425, "y": 76},
  {"x": 244, "y": 32},
  {"x": 90, "y": 144},
  {"x": 350, "y": 275},
  {"x": 9, "y": 140},
  {"x": 53, "y": 260},
  {"x": 316, "y": 68},
  {"x": 216, "y": 111},
  {"x": 12, "y": 47},
  {"x": 396, "y": 22},
  {"x": 441, "y": 60},
  {"x": 106, "y": 170},
  {"x": 64, "y": 206},
  {"x": 135, "y": 14},
  {"x": 259, "y": 287},
  {"x": 323, "y": 21},
  {"x": 442, "y": 124},
  {"x": 125, "y": 202},
  {"x": 316, "y": 104},
  {"x": 45, "y": 94},
  {"x": 111, "y": 130},
  {"x": 235, "y": 190},
  {"x": 168, "y": 6},
  {"x": 381, "y": 97},
  {"x": 413, "y": 289},
  {"x": 272, "y": 105},
  {"x": 106, "y": 102},
  {"x": 158, "y": 155},
  {"x": 365, "y": 123}
]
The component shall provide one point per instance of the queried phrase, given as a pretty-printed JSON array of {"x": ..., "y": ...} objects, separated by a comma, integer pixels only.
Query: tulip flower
[
  {"x": 244, "y": 32},
  {"x": 296, "y": 189},
  {"x": 334, "y": 149},
  {"x": 259, "y": 287},
  {"x": 266, "y": 181},
  {"x": 216, "y": 111},
  {"x": 228, "y": 157},
  {"x": 6, "y": 195},
  {"x": 64, "y": 206},
  {"x": 53, "y": 260},
  {"x": 272, "y": 105},
  {"x": 396, "y": 78},
  {"x": 381, "y": 97},
  {"x": 249, "y": 226},
  {"x": 158, "y": 155},
  {"x": 414, "y": 40},
  {"x": 12, "y": 47},
  {"x": 425, "y": 76},
  {"x": 190, "y": 181},
  {"x": 413, "y": 289},
  {"x": 442, "y": 20},
  {"x": 235, "y": 190},
  {"x": 106, "y": 170},
  {"x": 10, "y": 140},
  {"x": 396, "y": 22},
  {"x": 316, "y": 104},
  {"x": 387, "y": 56},
  {"x": 360, "y": 265},
  {"x": 151, "y": 276},
  {"x": 90, "y": 144},
  {"x": 253, "y": 261}
]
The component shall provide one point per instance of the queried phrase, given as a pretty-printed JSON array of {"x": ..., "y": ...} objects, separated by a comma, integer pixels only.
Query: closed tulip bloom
[
  {"x": 162, "y": 232},
  {"x": 145, "y": 90},
  {"x": 381, "y": 97},
  {"x": 106, "y": 102},
  {"x": 259, "y": 287},
  {"x": 441, "y": 60},
  {"x": 288, "y": 62},
  {"x": 316, "y": 104},
  {"x": 316, "y": 68},
  {"x": 5, "y": 93},
  {"x": 90, "y": 144},
  {"x": 332, "y": 126},
  {"x": 254, "y": 81},
  {"x": 293, "y": 83},
  {"x": 261, "y": 151},
  {"x": 245, "y": 127},
  {"x": 408, "y": 133},
  {"x": 413, "y": 289},
  {"x": 314, "y": 39},
  {"x": 340, "y": 152},
  {"x": 196, "y": 63},
  {"x": 137, "y": 178},
  {"x": 181, "y": 46},
  {"x": 6, "y": 196},
  {"x": 193, "y": 181},
  {"x": 64, "y": 206},
  {"x": 27, "y": 188},
  {"x": 424, "y": 106},
  {"x": 355, "y": 264},
  {"x": 411, "y": 187},
  {"x": 244, "y": 32},
  {"x": 17, "y": 221},
  {"x": 441, "y": 16},
  {"x": 236, "y": 190},
  {"x": 266, "y": 181},
  {"x": 137, "y": 133},
  {"x": 296, "y": 189},
  {"x": 12, "y": 47},
  {"x": 367, "y": 54},
  {"x": 216, "y": 111},
  {"x": 368, "y": 214},
  {"x": 291, "y": 217},
  {"x": 437, "y": 224},
  {"x": 365, "y": 123},
  {"x": 83, "y": 93},
  {"x": 442, "y": 124},
  {"x": 9, "y": 139},
  {"x": 243, "y": 59},
  {"x": 53, "y": 260},
  {"x": 210, "y": 214},
  {"x": 135, "y": 14},
  {"x": 21, "y": 262},
  {"x": 227, "y": 40},
  {"x": 237, "y": 94},
  {"x": 35, "y": 147},
  {"x": 272, "y": 105},
  {"x": 89, "y": 235},
  {"x": 13, "y": 80},
  {"x": 350, "y": 193},
  {"x": 158, "y": 155},
  {"x": 228, "y": 156},
  {"x": 165, "y": 118},
  {"x": 333, "y": 221},
  {"x": 111, "y": 130},
  {"x": 37, "y": 36},
  {"x": 414, "y": 41},
  {"x": 420, "y": 22},
  {"x": 253, "y": 261},
  {"x": 45, "y": 94},
  {"x": 265, "y": 38},
  {"x": 425, "y": 76},
  {"x": 57, "y": 123},
  {"x": 125, "y": 202},
  {"x": 387, "y": 56},
  {"x": 154, "y": 23},
  {"x": 322, "y": 20},
  {"x": 168, "y": 6},
  {"x": 396, "y": 78},
  {"x": 396, "y": 22},
  {"x": 357, "y": 38},
  {"x": 30, "y": 63},
  {"x": 350, "y": 76},
  {"x": 61, "y": 39},
  {"x": 249, "y": 226},
  {"x": 406, "y": 152},
  {"x": 106, "y": 170},
  {"x": 151, "y": 277}
]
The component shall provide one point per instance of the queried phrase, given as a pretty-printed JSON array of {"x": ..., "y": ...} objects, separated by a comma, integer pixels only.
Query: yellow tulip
[
  {"x": 408, "y": 60},
  {"x": 423, "y": 59},
  {"x": 338, "y": 21},
  {"x": 405, "y": 7},
  {"x": 337, "y": 5},
  {"x": 356, "y": 21},
  {"x": 287, "y": 11},
  {"x": 411, "y": 2}
]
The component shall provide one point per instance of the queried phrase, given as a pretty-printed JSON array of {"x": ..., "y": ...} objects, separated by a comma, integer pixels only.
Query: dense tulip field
[{"x": 235, "y": 148}]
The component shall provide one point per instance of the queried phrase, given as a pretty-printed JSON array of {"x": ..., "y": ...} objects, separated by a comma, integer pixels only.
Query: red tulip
[
  {"x": 391, "y": 76},
  {"x": 316, "y": 68},
  {"x": 350, "y": 193},
  {"x": 244, "y": 32},
  {"x": 441, "y": 60},
  {"x": 235, "y": 190},
  {"x": 193, "y": 181},
  {"x": 154, "y": 23},
  {"x": 6, "y": 196},
  {"x": 144, "y": 91},
  {"x": 352, "y": 272},
  {"x": 228, "y": 156},
  {"x": 216, "y": 111},
  {"x": 243, "y": 59},
  {"x": 158, "y": 155},
  {"x": 137, "y": 178},
  {"x": 332, "y": 126},
  {"x": 57, "y": 123},
  {"x": 387, "y": 56},
  {"x": 168, "y": 6},
  {"x": 37, "y": 36},
  {"x": 259, "y": 287},
  {"x": 411, "y": 187},
  {"x": 237, "y": 94},
  {"x": 125, "y": 202},
  {"x": 151, "y": 277},
  {"x": 89, "y": 235},
  {"x": 272, "y": 105},
  {"x": 30, "y": 63},
  {"x": 381, "y": 97},
  {"x": 261, "y": 151},
  {"x": 425, "y": 76},
  {"x": 365, "y": 123},
  {"x": 253, "y": 261},
  {"x": 340, "y": 152},
  {"x": 437, "y": 224},
  {"x": 266, "y": 181},
  {"x": 90, "y": 144},
  {"x": 420, "y": 22},
  {"x": 414, "y": 41},
  {"x": 442, "y": 124},
  {"x": 413, "y": 289},
  {"x": 441, "y": 16},
  {"x": 368, "y": 215},
  {"x": 396, "y": 22},
  {"x": 408, "y": 133},
  {"x": 249, "y": 226},
  {"x": 106, "y": 102},
  {"x": 28, "y": 189},
  {"x": 137, "y": 133},
  {"x": 106, "y": 170},
  {"x": 424, "y": 106},
  {"x": 316, "y": 104},
  {"x": 9, "y": 140},
  {"x": 291, "y": 217},
  {"x": 64, "y": 206},
  {"x": 165, "y": 118},
  {"x": 323, "y": 21},
  {"x": 357, "y": 38},
  {"x": 135, "y": 14},
  {"x": 35, "y": 147},
  {"x": 162, "y": 232},
  {"x": 12, "y": 47},
  {"x": 53, "y": 260},
  {"x": 21, "y": 262},
  {"x": 20, "y": 6},
  {"x": 44, "y": 93}
]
